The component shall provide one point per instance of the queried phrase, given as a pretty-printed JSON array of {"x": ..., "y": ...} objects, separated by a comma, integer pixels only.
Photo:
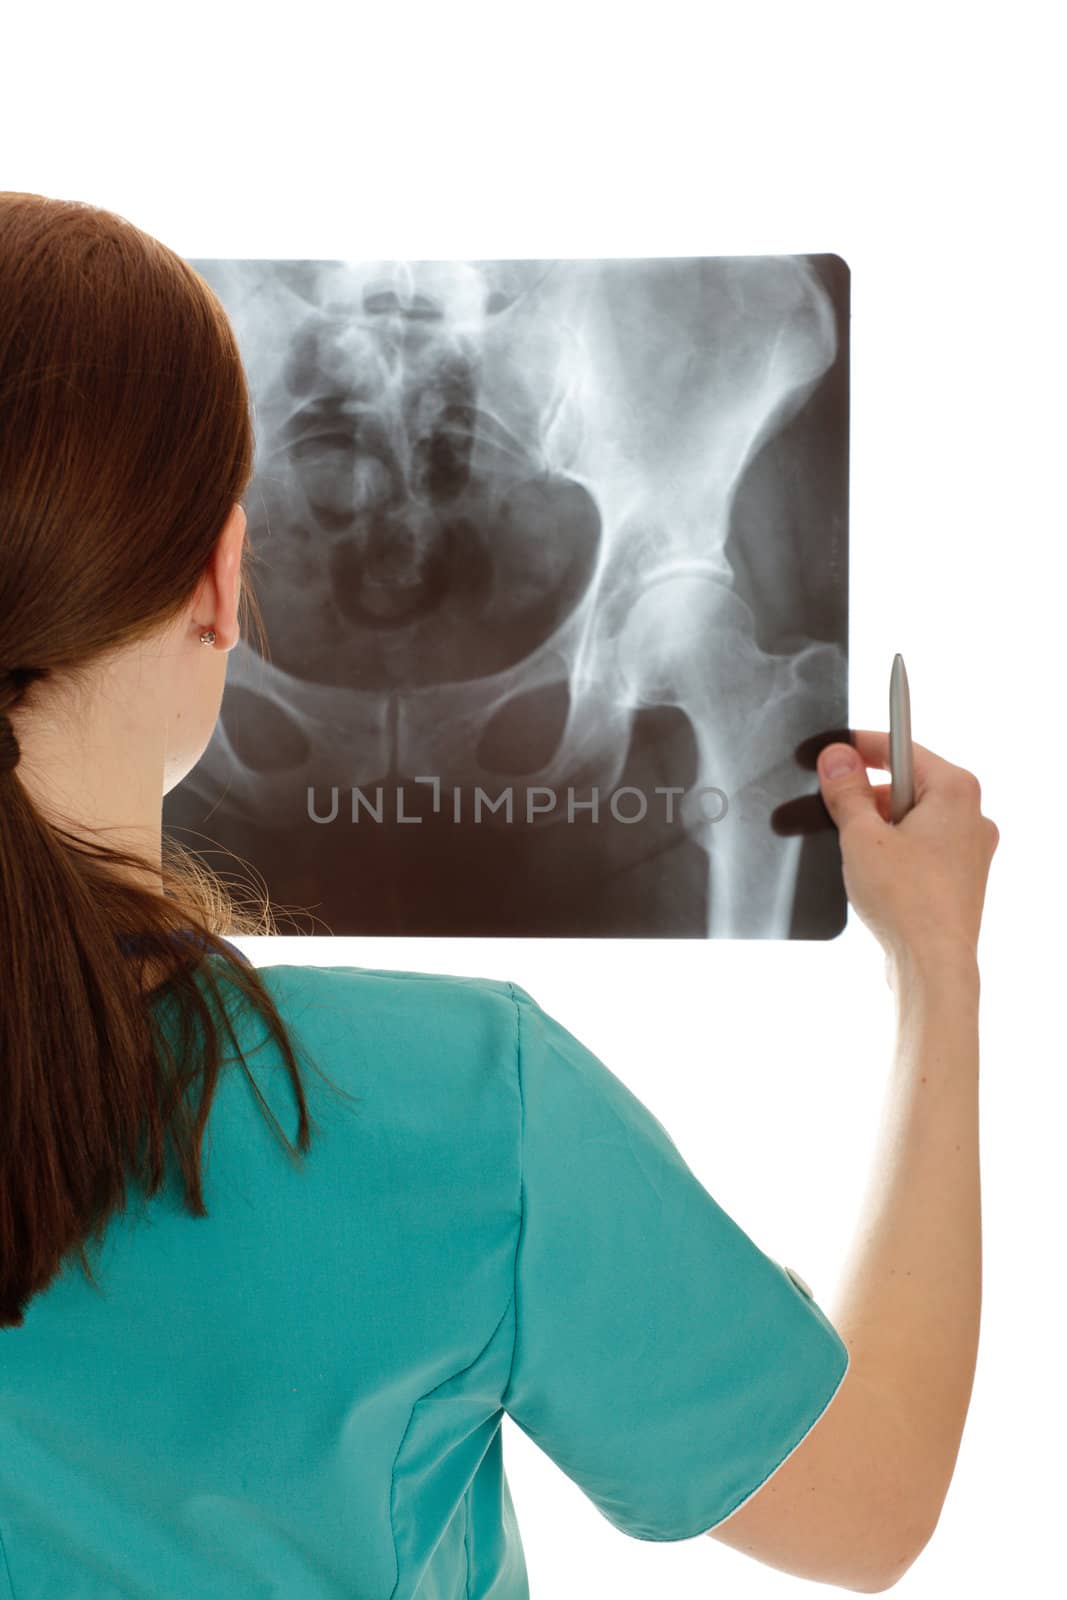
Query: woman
[{"x": 298, "y": 1389}]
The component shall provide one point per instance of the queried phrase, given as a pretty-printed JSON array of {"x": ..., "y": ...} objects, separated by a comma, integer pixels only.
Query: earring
[{"x": 208, "y": 636}]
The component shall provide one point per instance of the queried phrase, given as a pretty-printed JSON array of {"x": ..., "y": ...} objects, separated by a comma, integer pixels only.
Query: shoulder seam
[
  {"x": 7, "y": 1568},
  {"x": 522, "y": 1191}
]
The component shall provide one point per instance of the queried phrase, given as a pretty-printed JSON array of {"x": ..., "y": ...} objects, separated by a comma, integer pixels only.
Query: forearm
[{"x": 909, "y": 1303}]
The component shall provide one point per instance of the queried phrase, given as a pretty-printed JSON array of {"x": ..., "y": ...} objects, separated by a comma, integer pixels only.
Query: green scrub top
[{"x": 301, "y": 1394}]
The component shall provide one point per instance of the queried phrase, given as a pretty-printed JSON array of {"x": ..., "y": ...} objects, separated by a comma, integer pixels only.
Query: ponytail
[{"x": 125, "y": 440}]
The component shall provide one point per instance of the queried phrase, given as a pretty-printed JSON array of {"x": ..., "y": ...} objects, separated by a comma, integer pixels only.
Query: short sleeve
[{"x": 661, "y": 1359}]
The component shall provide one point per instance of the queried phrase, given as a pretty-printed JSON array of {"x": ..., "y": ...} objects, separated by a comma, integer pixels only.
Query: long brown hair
[{"x": 126, "y": 438}]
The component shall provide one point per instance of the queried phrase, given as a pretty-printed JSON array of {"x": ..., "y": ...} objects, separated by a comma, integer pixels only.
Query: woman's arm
[
  {"x": 859, "y": 1498},
  {"x": 910, "y": 1301}
]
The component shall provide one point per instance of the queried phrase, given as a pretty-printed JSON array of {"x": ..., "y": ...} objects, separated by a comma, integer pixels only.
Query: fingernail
[{"x": 837, "y": 760}]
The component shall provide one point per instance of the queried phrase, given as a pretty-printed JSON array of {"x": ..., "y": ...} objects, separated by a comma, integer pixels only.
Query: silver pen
[{"x": 901, "y": 766}]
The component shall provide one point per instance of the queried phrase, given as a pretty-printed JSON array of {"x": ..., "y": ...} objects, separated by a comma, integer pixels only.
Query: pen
[{"x": 900, "y": 755}]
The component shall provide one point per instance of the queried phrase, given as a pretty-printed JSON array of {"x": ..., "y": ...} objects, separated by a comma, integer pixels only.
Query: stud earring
[{"x": 208, "y": 636}]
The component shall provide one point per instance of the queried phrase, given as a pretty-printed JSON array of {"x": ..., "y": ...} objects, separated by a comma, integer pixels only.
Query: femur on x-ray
[{"x": 552, "y": 558}]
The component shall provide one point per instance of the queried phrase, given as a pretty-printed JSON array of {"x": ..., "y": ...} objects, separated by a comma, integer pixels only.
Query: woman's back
[{"x": 302, "y": 1392}]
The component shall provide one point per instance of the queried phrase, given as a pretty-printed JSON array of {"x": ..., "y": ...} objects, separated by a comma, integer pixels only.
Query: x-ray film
[{"x": 552, "y": 559}]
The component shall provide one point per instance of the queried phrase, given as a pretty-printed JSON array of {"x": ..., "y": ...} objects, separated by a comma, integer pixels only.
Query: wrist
[{"x": 932, "y": 964}]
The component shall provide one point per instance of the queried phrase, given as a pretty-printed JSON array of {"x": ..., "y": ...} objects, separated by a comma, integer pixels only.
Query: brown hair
[{"x": 126, "y": 438}]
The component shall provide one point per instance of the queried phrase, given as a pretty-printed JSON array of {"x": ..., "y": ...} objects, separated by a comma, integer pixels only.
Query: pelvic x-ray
[{"x": 552, "y": 559}]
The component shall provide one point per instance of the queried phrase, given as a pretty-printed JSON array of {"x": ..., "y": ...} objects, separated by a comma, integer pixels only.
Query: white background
[{"x": 924, "y": 144}]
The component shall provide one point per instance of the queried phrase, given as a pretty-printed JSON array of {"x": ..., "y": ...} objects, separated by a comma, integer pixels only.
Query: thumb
[{"x": 846, "y": 789}]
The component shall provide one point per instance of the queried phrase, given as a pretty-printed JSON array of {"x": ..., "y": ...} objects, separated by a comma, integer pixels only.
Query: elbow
[
  {"x": 917, "y": 1498},
  {"x": 891, "y": 1573}
]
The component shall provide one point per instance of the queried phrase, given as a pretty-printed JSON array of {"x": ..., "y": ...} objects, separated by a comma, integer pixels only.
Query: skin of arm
[
  {"x": 910, "y": 1297},
  {"x": 858, "y": 1501}
]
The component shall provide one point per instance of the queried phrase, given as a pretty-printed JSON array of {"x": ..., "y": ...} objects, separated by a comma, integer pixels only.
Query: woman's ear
[{"x": 226, "y": 574}]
